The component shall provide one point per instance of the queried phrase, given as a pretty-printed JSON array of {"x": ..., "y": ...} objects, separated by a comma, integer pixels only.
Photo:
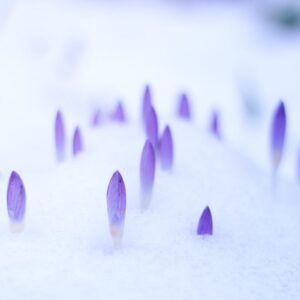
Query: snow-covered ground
[{"x": 79, "y": 56}]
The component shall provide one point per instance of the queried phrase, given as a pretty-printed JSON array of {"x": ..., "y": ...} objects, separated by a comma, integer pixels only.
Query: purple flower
[
  {"x": 205, "y": 225},
  {"x": 147, "y": 173},
  {"x": 77, "y": 142},
  {"x": 96, "y": 118},
  {"x": 184, "y": 110},
  {"x": 116, "y": 206},
  {"x": 278, "y": 134},
  {"x": 119, "y": 114},
  {"x": 166, "y": 150},
  {"x": 147, "y": 103},
  {"x": 16, "y": 198},
  {"x": 59, "y": 136},
  {"x": 152, "y": 126},
  {"x": 215, "y": 125}
]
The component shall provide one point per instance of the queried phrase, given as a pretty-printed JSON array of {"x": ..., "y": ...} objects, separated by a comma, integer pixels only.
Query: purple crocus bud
[
  {"x": 16, "y": 198},
  {"x": 205, "y": 225},
  {"x": 77, "y": 142},
  {"x": 278, "y": 134},
  {"x": 166, "y": 150},
  {"x": 119, "y": 114},
  {"x": 116, "y": 206},
  {"x": 147, "y": 102},
  {"x": 184, "y": 110},
  {"x": 215, "y": 125},
  {"x": 152, "y": 126},
  {"x": 147, "y": 174},
  {"x": 60, "y": 139},
  {"x": 96, "y": 118}
]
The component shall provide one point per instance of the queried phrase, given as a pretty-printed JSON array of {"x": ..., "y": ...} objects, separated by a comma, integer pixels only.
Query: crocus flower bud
[
  {"x": 96, "y": 118},
  {"x": 147, "y": 174},
  {"x": 116, "y": 207},
  {"x": 60, "y": 139},
  {"x": 215, "y": 125},
  {"x": 205, "y": 225},
  {"x": 278, "y": 135},
  {"x": 119, "y": 114},
  {"x": 184, "y": 109},
  {"x": 77, "y": 142},
  {"x": 147, "y": 103},
  {"x": 166, "y": 151},
  {"x": 16, "y": 199},
  {"x": 152, "y": 126}
]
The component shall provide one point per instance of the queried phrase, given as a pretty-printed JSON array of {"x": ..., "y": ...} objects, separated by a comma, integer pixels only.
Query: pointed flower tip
[
  {"x": 215, "y": 125},
  {"x": 184, "y": 109},
  {"x": 147, "y": 102},
  {"x": 166, "y": 149},
  {"x": 205, "y": 225},
  {"x": 77, "y": 142},
  {"x": 59, "y": 136},
  {"x": 147, "y": 167},
  {"x": 119, "y": 114},
  {"x": 96, "y": 118},
  {"x": 116, "y": 205},
  {"x": 152, "y": 126},
  {"x": 16, "y": 198},
  {"x": 278, "y": 134}
]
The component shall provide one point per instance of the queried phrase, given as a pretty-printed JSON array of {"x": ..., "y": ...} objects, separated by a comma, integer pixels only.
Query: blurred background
[{"x": 239, "y": 57}]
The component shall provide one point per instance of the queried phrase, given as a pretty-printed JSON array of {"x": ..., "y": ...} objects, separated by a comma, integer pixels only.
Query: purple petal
[
  {"x": 147, "y": 173},
  {"x": 60, "y": 136},
  {"x": 16, "y": 198},
  {"x": 96, "y": 119},
  {"x": 116, "y": 205},
  {"x": 184, "y": 110},
  {"x": 215, "y": 125},
  {"x": 152, "y": 126},
  {"x": 147, "y": 102},
  {"x": 119, "y": 113},
  {"x": 205, "y": 225},
  {"x": 166, "y": 150},
  {"x": 77, "y": 142},
  {"x": 278, "y": 134}
]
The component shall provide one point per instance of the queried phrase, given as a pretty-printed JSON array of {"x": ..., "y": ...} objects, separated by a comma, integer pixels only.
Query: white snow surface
[{"x": 78, "y": 56}]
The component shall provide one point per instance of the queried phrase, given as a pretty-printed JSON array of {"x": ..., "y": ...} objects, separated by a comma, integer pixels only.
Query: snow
[{"x": 77, "y": 56}]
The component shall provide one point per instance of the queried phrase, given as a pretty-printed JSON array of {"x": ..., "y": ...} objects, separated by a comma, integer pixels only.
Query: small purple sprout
[
  {"x": 147, "y": 103},
  {"x": 147, "y": 174},
  {"x": 184, "y": 109},
  {"x": 205, "y": 225},
  {"x": 215, "y": 125},
  {"x": 116, "y": 207},
  {"x": 96, "y": 118},
  {"x": 119, "y": 114},
  {"x": 278, "y": 134},
  {"x": 166, "y": 150},
  {"x": 60, "y": 136},
  {"x": 152, "y": 126},
  {"x": 77, "y": 142},
  {"x": 16, "y": 198}
]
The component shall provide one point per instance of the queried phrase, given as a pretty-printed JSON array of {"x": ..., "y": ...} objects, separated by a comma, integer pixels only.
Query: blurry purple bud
[
  {"x": 147, "y": 102},
  {"x": 116, "y": 206},
  {"x": 119, "y": 113},
  {"x": 184, "y": 110},
  {"x": 278, "y": 134},
  {"x": 205, "y": 225},
  {"x": 96, "y": 118},
  {"x": 147, "y": 174},
  {"x": 152, "y": 126},
  {"x": 215, "y": 125},
  {"x": 60, "y": 136},
  {"x": 166, "y": 150},
  {"x": 16, "y": 198},
  {"x": 77, "y": 142}
]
